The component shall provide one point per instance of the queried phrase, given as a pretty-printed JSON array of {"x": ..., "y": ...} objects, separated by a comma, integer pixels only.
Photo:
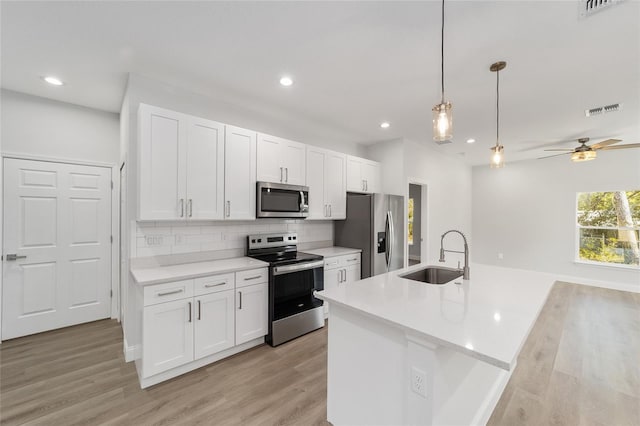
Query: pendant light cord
[
  {"x": 442, "y": 52},
  {"x": 497, "y": 107}
]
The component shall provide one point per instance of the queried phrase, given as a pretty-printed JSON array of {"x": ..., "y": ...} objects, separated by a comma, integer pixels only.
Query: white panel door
[
  {"x": 294, "y": 161},
  {"x": 205, "y": 170},
  {"x": 354, "y": 174},
  {"x": 240, "y": 173},
  {"x": 336, "y": 185},
  {"x": 269, "y": 161},
  {"x": 214, "y": 323},
  {"x": 315, "y": 181},
  {"x": 251, "y": 312},
  {"x": 167, "y": 337},
  {"x": 161, "y": 164},
  {"x": 57, "y": 220}
]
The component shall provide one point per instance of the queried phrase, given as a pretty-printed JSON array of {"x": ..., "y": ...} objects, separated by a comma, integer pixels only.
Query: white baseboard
[
  {"x": 131, "y": 353},
  {"x": 633, "y": 288}
]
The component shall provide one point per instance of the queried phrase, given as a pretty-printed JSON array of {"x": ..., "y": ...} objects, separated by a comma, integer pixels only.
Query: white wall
[
  {"x": 47, "y": 128},
  {"x": 448, "y": 181},
  {"x": 527, "y": 212}
]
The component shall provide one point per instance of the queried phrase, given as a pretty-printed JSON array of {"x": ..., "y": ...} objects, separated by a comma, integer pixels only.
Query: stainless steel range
[{"x": 293, "y": 277}]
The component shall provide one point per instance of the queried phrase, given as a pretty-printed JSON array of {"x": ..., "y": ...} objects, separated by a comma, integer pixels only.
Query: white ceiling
[{"x": 354, "y": 64}]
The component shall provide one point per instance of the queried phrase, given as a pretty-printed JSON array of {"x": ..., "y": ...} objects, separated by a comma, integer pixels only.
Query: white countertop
[
  {"x": 333, "y": 251},
  {"x": 185, "y": 271},
  {"x": 488, "y": 317}
]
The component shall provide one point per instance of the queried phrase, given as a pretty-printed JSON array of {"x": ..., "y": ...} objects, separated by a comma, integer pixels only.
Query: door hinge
[
  {"x": 111, "y": 239},
  {"x": 110, "y": 293},
  {"x": 112, "y": 185}
]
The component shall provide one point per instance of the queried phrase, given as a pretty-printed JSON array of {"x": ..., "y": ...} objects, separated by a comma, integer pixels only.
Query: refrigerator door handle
[
  {"x": 391, "y": 236},
  {"x": 387, "y": 235}
]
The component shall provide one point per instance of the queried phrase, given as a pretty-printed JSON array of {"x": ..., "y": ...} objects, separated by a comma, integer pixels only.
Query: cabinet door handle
[
  {"x": 190, "y": 207},
  {"x": 171, "y": 292},
  {"x": 352, "y": 260},
  {"x": 339, "y": 276},
  {"x": 240, "y": 297},
  {"x": 181, "y": 207},
  {"x": 199, "y": 311},
  {"x": 366, "y": 185},
  {"x": 332, "y": 263},
  {"x": 325, "y": 210},
  {"x": 228, "y": 208},
  {"x": 330, "y": 210},
  {"x": 286, "y": 174},
  {"x": 281, "y": 174},
  {"x": 215, "y": 285},
  {"x": 189, "y": 311},
  {"x": 252, "y": 278}
]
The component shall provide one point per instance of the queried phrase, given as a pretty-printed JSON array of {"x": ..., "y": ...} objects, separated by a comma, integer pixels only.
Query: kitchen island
[{"x": 407, "y": 352}]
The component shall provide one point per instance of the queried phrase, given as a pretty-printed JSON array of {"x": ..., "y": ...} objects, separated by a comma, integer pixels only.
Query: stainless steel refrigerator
[{"x": 374, "y": 224}]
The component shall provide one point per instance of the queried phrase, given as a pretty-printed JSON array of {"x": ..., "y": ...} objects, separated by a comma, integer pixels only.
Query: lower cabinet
[
  {"x": 214, "y": 323},
  {"x": 210, "y": 316},
  {"x": 251, "y": 312},
  {"x": 167, "y": 336},
  {"x": 339, "y": 271}
]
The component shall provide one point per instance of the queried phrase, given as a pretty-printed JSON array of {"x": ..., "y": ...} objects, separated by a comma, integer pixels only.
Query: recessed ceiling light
[
  {"x": 385, "y": 124},
  {"x": 471, "y": 140},
  {"x": 286, "y": 81},
  {"x": 53, "y": 80}
]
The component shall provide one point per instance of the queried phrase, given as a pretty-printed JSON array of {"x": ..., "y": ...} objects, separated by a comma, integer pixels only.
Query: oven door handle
[{"x": 287, "y": 269}]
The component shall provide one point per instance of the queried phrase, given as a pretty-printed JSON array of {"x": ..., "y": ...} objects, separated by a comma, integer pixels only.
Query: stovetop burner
[{"x": 278, "y": 249}]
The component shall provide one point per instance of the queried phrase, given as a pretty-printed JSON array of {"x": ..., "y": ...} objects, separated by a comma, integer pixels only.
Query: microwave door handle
[{"x": 302, "y": 201}]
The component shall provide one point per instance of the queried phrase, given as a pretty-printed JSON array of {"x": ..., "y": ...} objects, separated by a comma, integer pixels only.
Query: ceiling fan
[{"x": 586, "y": 152}]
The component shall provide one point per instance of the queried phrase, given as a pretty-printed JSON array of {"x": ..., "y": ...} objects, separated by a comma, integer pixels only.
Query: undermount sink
[{"x": 434, "y": 275}]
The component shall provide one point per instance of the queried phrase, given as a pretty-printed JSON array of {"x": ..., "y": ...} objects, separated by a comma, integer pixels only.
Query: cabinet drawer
[
  {"x": 214, "y": 283},
  {"x": 160, "y": 293},
  {"x": 252, "y": 276},
  {"x": 351, "y": 259},
  {"x": 331, "y": 262}
]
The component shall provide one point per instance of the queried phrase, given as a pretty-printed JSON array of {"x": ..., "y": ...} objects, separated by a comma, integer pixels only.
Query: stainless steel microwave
[{"x": 282, "y": 200}]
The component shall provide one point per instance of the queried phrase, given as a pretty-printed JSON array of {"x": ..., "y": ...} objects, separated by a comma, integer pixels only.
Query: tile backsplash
[{"x": 218, "y": 240}]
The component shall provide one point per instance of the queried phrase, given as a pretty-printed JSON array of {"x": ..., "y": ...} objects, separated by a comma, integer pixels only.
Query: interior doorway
[{"x": 416, "y": 224}]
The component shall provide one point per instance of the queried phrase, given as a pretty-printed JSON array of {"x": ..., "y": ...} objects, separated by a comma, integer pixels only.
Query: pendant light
[
  {"x": 442, "y": 114},
  {"x": 497, "y": 155}
]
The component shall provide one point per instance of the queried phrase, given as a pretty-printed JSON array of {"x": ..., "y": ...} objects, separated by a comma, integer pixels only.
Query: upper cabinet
[
  {"x": 181, "y": 166},
  {"x": 363, "y": 175},
  {"x": 327, "y": 182},
  {"x": 240, "y": 174},
  {"x": 280, "y": 160}
]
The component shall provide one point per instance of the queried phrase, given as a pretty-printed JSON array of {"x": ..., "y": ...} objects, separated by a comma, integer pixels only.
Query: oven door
[
  {"x": 292, "y": 286},
  {"x": 280, "y": 200}
]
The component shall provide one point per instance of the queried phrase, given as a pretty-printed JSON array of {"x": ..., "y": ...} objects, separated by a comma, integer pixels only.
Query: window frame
[{"x": 578, "y": 227}]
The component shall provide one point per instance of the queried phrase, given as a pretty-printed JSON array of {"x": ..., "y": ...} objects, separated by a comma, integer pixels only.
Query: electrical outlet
[
  {"x": 419, "y": 382},
  {"x": 154, "y": 240}
]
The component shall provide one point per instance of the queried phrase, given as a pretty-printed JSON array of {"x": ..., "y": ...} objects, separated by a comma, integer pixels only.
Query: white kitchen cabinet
[
  {"x": 214, "y": 323},
  {"x": 181, "y": 166},
  {"x": 240, "y": 174},
  {"x": 251, "y": 312},
  {"x": 363, "y": 175},
  {"x": 280, "y": 160},
  {"x": 326, "y": 179},
  {"x": 167, "y": 336},
  {"x": 340, "y": 270}
]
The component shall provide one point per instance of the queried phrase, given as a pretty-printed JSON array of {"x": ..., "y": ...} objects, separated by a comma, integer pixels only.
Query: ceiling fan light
[
  {"x": 583, "y": 156},
  {"x": 442, "y": 122},
  {"x": 497, "y": 157}
]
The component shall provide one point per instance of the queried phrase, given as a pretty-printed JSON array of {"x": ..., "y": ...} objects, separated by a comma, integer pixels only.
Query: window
[
  {"x": 410, "y": 222},
  {"x": 608, "y": 225}
]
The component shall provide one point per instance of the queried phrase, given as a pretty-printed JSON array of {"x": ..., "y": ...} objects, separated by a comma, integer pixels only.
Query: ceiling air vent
[
  {"x": 589, "y": 7},
  {"x": 602, "y": 110}
]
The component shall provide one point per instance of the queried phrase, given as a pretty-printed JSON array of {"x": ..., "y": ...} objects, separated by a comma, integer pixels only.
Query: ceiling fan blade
[
  {"x": 560, "y": 149},
  {"x": 629, "y": 145},
  {"x": 602, "y": 144},
  {"x": 556, "y": 155}
]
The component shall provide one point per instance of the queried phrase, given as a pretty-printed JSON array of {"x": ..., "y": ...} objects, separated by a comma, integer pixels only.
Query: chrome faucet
[{"x": 465, "y": 270}]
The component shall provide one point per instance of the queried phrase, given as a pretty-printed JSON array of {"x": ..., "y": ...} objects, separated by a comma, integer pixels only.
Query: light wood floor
[{"x": 580, "y": 365}]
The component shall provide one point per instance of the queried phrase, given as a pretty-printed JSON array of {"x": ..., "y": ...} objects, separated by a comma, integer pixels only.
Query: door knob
[{"x": 15, "y": 257}]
